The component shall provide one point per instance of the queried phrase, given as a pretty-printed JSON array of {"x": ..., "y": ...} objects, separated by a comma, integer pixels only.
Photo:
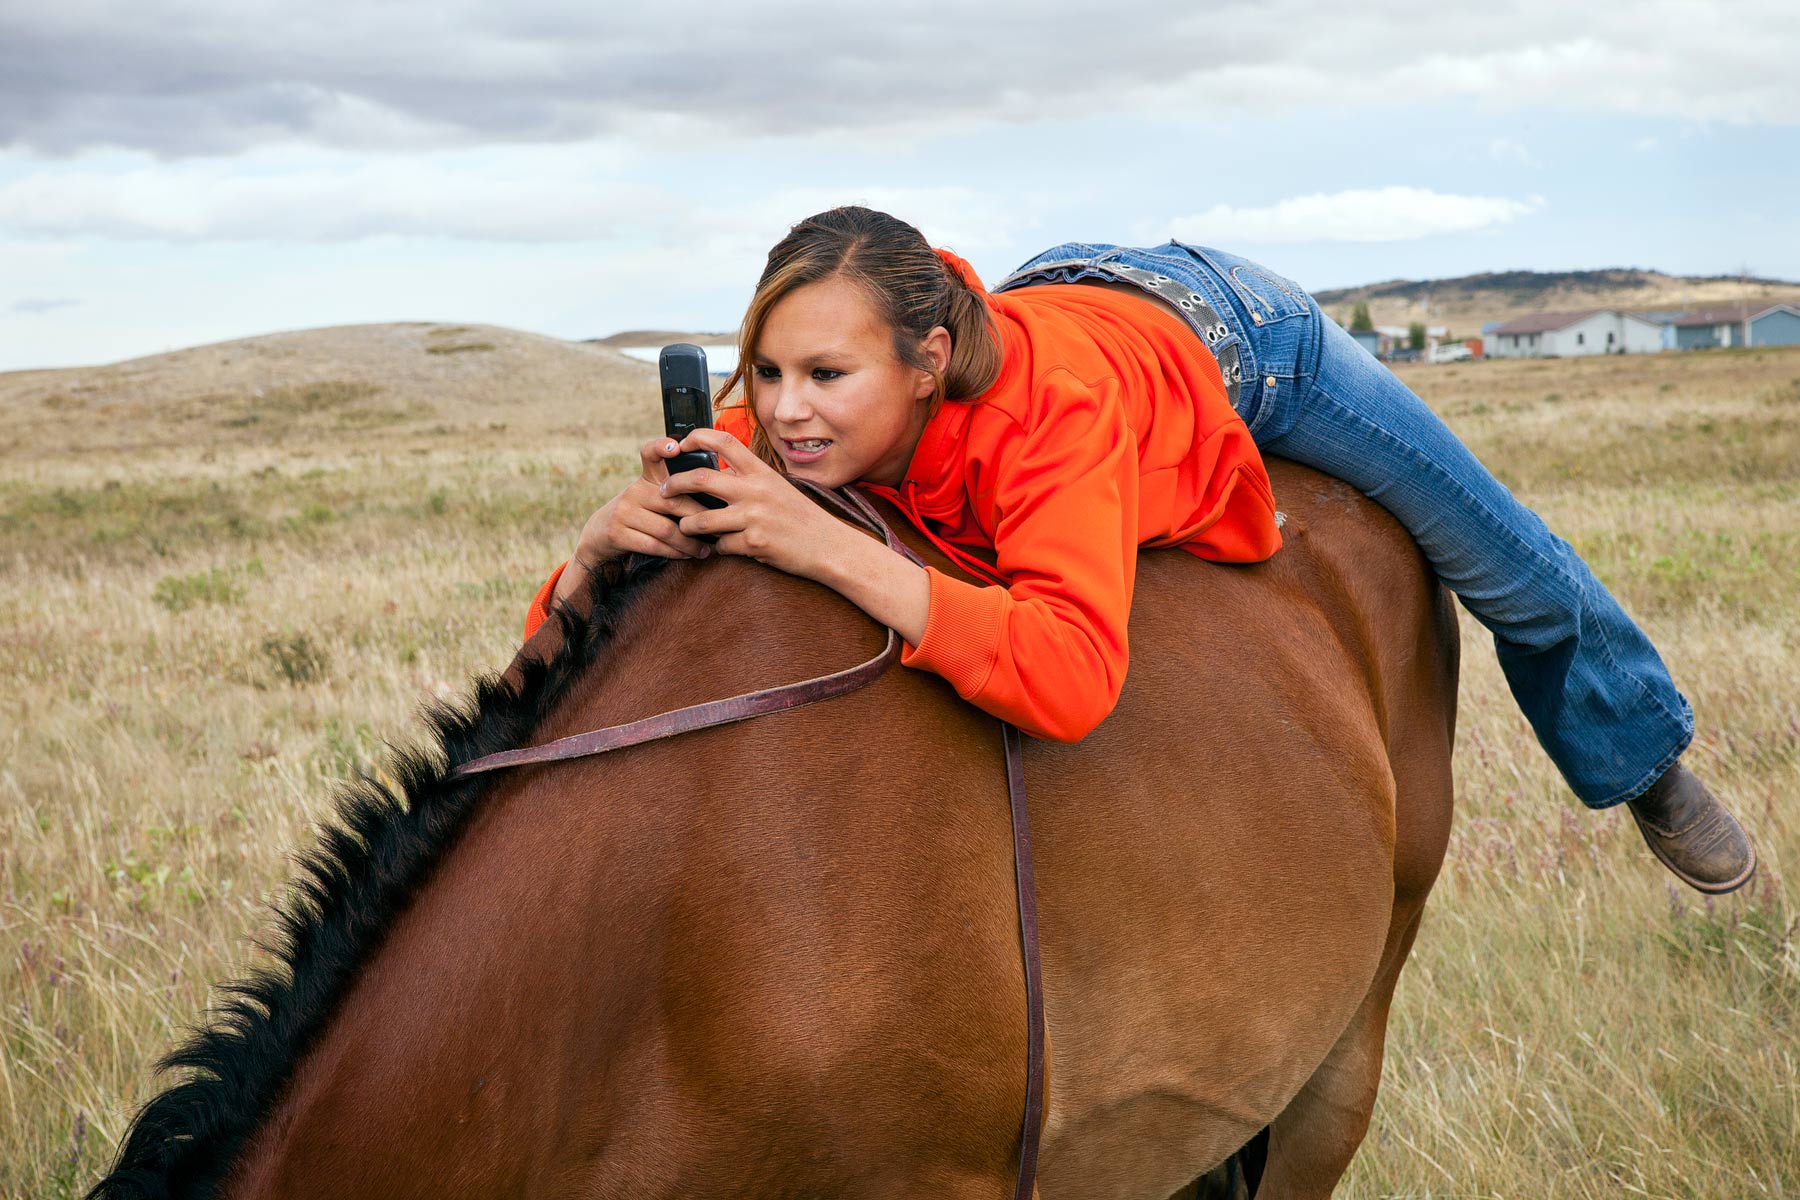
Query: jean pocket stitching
[
  {"x": 1252, "y": 299},
  {"x": 1271, "y": 312}
]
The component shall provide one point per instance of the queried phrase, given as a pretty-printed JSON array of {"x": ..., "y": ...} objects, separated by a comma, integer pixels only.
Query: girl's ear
[{"x": 936, "y": 346}]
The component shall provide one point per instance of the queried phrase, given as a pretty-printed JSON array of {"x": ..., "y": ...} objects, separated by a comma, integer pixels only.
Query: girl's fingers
[
  {"x": 665, "y": 533},
  {"x": 717, "y": 522},
  {"x": 630, "y": 541},
  {"x": 715, "y": 483},
  {"x": 676, "y": 506},
  {"x": 652, "y": 453}
]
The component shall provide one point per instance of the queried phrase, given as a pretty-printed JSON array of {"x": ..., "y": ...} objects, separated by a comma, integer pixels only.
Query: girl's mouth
[{"x": 805, "y": 450}]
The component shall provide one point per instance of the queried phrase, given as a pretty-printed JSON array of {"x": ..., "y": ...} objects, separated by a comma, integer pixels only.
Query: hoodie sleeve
[
  {"x": 1048, "y": 652},
  {"x": 734, "y": 420}
]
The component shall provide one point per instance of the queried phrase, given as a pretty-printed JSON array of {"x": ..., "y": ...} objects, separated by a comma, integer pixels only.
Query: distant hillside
[
  {"x": 306, "y": 387},
  {"x": 663, "y": 337},
  {"x": 1466, "y": 303}
]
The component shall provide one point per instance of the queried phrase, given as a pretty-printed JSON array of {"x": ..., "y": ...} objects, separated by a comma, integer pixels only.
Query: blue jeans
[{"x": 1591, "y": 684}]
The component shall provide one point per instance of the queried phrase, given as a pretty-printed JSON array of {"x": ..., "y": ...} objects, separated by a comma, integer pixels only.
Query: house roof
[
  {"x": 1544, "y": 322},
  {"x": 1717, "y": 314}
]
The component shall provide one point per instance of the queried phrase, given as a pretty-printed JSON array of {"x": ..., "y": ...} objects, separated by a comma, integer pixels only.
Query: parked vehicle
[{"x": 1451, "y": 352}]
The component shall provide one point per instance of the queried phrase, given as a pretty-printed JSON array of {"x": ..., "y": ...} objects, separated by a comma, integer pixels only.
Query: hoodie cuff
[
  {"x": 539, "y": 611},
  {"x": 962, "y": 633}
]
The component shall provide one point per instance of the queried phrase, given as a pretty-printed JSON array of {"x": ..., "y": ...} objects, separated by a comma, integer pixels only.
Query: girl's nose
[{"x": 791, "y": 406}]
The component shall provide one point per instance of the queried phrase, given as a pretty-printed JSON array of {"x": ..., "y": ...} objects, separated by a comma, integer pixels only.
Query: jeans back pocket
[{"x": 1266, "y": 296}]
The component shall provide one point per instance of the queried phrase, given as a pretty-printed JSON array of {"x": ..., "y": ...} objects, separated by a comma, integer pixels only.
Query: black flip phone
[{"x": 687, "y": 406}]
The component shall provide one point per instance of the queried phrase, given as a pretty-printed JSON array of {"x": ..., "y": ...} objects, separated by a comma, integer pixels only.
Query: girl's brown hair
[{"x": 914, "y": 290}]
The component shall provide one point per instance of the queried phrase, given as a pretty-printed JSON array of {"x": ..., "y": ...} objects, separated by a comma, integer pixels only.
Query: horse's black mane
[{"x": 364, "y": 871}]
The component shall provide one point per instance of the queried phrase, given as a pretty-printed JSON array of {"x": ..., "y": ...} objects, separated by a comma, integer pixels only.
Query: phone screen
[{"x": 687, "y": 411}]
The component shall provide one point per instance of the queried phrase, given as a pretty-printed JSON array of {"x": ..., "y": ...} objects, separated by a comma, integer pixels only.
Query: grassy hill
[
  {"x": 662, "y": 337},
  {"x": 1468, "y": 302},
  {"x": 364, "y": 384}
]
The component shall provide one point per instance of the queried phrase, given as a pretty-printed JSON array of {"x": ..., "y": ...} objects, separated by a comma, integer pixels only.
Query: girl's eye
[
  {"x": 824, "y": 374},
  {"x": 763, "y": 372}
]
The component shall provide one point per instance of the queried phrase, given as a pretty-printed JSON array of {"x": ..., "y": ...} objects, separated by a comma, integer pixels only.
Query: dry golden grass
[{"x": 218, "y": 601}]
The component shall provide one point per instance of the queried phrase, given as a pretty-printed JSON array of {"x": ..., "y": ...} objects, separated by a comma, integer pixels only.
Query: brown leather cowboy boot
[{"x": 1692, "y": 833}]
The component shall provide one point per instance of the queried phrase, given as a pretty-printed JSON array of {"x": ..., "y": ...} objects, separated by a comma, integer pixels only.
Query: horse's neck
[{"x": 583, "y": 879}]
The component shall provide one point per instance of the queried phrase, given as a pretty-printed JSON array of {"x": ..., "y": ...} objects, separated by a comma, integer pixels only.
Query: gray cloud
[
  {"x": 217, "y": 77},
  {"x": 33, "y": 305}
]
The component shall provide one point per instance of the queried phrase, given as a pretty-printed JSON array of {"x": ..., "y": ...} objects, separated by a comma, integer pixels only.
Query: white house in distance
[
  {"x": 1389, "y": 338},
  {"x": 1569, "y": 334}
]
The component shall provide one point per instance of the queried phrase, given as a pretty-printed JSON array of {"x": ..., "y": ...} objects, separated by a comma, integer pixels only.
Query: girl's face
[{"x": 831, "y": 396}]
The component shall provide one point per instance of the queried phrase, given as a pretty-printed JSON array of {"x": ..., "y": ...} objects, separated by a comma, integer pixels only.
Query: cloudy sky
[{"x": 175, "y": 172}]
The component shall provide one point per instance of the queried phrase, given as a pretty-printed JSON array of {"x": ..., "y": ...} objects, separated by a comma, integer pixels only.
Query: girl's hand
[
  {"x": 765, "y": 518},
  {"x": 641, "y": 519}
]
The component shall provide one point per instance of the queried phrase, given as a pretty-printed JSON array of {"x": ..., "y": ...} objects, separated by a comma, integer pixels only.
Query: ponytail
[{"x": 974, "y": 342}]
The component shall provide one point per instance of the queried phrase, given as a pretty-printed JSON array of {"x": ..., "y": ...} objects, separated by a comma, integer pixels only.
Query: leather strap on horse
[
  {"x": 1034, "y": 981},
  {"x": 854, "y": 508}
]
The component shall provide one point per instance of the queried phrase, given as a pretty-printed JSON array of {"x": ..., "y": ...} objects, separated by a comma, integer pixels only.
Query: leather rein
[{"x": 852, "y": 507}]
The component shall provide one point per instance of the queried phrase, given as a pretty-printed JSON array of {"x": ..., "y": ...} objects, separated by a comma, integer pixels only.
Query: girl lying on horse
[{"x": 1104, "y": 398}]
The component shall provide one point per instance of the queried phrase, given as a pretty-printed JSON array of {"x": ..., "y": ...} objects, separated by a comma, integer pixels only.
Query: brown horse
[{"x": 781, "y": 958}]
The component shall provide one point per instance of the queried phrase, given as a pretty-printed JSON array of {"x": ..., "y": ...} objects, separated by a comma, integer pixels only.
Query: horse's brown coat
[{"x": 780, "y": 958}]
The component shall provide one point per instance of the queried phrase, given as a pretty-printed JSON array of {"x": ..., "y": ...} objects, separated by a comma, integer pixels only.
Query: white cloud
[
  {"x": 520, "y": 194},
  {"x": 1389, "y": 214},
  {"x": 227, "y": 75},
  {"x": 215, "y": 200}
]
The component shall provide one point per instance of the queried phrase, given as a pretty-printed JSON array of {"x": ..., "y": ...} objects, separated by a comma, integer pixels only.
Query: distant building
[
  {"x": 1392, "y": 338},
  {"x": 1775, "y": 326},
  {"x": 1383, "y": 340},
  {"x": 1705, "y": 328},
  {"x": 1725, "y": 325},
  {"x": 1572, "y": 334}
]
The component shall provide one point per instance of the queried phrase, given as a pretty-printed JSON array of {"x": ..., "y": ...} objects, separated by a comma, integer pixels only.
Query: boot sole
[{"x": 1699, "y": 885}]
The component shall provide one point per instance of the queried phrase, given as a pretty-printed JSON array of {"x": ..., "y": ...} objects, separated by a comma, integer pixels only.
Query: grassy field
[{"x": 228, "y": 577}]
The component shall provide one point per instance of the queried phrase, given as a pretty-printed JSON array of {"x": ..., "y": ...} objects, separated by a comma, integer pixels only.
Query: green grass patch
[
  {"x": 285, "y": 406},
  {"x": 312, "y": 514},
  {"x": 1748, "y": 572},
  {"x": 216, "y": 585}
]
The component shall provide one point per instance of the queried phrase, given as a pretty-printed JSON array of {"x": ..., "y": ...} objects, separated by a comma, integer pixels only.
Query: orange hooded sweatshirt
[{"x": 1109, "y": 428}]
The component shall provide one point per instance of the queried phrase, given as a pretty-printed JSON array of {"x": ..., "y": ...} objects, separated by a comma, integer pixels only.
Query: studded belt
[{"x": 1200, "y": 314}]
